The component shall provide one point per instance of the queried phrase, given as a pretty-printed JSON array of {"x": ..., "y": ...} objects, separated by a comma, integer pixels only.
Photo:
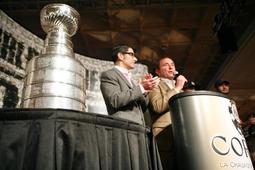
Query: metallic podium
[{"x": 207, "y": 135}]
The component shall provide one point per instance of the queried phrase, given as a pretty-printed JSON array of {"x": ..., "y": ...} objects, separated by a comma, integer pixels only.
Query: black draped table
[{"x": 54, "y": 139}]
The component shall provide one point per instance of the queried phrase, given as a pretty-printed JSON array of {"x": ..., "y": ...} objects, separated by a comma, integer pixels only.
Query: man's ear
[{"x": 120, "y": 56}]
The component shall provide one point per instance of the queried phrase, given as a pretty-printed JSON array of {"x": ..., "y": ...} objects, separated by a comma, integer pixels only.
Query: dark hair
[
  {"x": 119, "y": 49},
  {"x": 158, "y": 61},
  {"x": 220, "y": 82}
]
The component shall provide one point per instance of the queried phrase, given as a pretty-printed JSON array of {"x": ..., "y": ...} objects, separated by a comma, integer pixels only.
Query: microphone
[
  {"x": 188, "y": 84},
  {"x": 176, "y": 74}
]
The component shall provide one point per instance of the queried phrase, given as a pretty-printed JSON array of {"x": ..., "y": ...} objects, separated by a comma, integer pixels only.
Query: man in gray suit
[{"x": 122, "y": 97}]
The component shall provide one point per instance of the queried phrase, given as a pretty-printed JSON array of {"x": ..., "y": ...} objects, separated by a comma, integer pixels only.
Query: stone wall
[{"x": 17, "y": 46}]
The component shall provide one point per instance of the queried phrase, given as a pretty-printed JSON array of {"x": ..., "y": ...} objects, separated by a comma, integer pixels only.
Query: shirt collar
[
  {"x": 170, "y": 83},
  {"x": 123, "y": 70}
]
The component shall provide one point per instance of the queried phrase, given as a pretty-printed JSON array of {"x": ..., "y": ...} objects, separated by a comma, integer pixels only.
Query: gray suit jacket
[{"x": 121, "y": 99}]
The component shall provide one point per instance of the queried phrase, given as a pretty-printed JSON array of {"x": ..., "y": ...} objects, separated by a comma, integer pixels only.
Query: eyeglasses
[{"x": 129, "y": 53}]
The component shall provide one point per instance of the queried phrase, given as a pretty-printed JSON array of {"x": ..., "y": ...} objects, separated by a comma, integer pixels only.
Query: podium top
[{"x": 197, "y": 93}]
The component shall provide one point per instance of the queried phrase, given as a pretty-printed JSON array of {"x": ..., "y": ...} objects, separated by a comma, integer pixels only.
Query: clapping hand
[{"x": 149, "y": 82}]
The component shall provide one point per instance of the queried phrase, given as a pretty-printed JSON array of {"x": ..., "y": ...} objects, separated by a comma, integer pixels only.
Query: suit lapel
[{"x": 163, "y": 85}]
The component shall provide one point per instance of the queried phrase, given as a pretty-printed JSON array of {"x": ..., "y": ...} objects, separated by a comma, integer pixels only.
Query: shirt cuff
[{"x": 142, "y": 89}]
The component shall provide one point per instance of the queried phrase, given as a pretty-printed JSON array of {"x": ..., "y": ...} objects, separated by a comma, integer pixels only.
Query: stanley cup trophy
[{"x": 55, "y": 79}]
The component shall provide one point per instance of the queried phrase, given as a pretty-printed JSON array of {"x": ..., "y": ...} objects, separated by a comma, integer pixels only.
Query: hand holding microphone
[{"x": 180, "y": 81}]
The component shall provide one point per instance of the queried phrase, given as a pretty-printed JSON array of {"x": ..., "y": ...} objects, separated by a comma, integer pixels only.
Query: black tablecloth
[{"x": 49, "y": 139}]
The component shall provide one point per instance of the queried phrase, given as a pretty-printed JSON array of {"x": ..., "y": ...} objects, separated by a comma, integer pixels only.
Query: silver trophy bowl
[
  {"x": 55, "y": 79},
  {"x": 59, "y": 16},
  {"x": 60, "y": 22}
]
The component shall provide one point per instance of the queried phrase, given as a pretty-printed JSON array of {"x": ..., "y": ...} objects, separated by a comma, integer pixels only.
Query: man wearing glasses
[{"x": 124, "y": 98}]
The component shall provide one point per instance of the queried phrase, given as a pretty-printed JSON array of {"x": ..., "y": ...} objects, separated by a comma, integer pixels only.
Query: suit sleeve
[
  {"x": 144, "y": 102},
  {"x": 117, "y": 94},
  {"x": 159, "y": 99}
]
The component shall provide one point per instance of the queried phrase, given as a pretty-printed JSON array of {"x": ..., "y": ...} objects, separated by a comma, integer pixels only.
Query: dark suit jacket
[{"x": 121, "y": 99}]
